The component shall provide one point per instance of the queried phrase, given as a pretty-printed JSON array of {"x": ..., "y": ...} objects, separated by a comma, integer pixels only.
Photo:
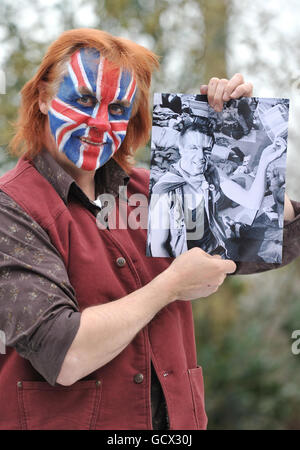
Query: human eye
[
  {"x": 116, "y": 109},
  {"x": 86, "y": 100}
]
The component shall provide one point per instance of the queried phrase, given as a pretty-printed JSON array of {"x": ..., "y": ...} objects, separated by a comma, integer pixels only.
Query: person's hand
[
  {"x": 196, "y": 274},
  {"x": 289, "y": 212},
  {"x": 222, "y": 90}
]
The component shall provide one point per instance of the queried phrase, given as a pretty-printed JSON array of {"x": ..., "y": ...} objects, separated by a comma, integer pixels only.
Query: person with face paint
[
  {"x": 95, "y": 338},
  {"x": 89, "y": 115}
]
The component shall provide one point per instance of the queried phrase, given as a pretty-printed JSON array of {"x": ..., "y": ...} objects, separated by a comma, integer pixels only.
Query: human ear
[{"x": 43, "y": 97}]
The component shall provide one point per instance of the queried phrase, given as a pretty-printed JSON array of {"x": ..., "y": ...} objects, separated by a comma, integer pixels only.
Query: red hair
[{"x": 29, "y": 136}]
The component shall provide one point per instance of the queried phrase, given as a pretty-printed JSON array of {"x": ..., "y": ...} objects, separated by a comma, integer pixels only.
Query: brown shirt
[{"x": 37, "y": 301}]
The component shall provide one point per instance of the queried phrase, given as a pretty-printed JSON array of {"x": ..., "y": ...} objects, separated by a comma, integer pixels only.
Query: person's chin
[{"x": 194, "y": 173}]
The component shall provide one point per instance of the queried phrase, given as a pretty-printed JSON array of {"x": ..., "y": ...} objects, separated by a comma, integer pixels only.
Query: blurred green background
[{"x": 243, "y": 332}]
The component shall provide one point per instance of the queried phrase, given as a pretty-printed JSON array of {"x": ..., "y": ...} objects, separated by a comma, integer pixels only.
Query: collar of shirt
[{"x": 108, "y": 179}]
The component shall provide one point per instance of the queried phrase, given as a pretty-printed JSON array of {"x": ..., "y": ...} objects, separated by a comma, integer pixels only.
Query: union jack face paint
[{"x": 90, "y": 113}]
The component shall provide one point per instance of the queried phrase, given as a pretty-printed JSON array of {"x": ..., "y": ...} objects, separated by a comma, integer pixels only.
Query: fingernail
[{"x": 226, "y": 97}]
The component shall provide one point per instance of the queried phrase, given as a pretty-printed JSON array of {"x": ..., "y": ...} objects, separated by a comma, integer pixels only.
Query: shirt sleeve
[
  {"x": 39, "y": 313},
  {"x": 290, "y": 249}
]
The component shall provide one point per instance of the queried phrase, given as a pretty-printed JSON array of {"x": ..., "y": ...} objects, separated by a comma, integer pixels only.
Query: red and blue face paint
[{"x": 90, "y": 113}]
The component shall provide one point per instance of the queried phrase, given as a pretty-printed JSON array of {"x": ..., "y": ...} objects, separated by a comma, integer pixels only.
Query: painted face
[
  {"x": 192, "y": 159},
  {"x": 90, "y": 114}
]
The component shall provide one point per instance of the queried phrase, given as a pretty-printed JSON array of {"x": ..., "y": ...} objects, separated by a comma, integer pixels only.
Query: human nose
[{"x": 101, "y": 120}]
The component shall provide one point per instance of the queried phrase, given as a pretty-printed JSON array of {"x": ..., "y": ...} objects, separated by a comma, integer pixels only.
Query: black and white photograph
[{"x": 218, "y": 178}]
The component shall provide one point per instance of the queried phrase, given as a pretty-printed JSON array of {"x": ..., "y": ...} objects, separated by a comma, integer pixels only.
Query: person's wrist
[
  {"x": 165, "y": 285},
  {"x": 263, "y": 165}
]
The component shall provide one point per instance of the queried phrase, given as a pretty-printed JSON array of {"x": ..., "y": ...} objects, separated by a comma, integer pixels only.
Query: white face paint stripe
[
  {"x": 68, "y": 134},
  {"x": 61, "y": 116},
  {"x": 105, "y": 139},
  {"x": 81, "y": 150},
  {"x": 128, "y": 89},
  {"x": 131, "y": 97},
  {"x": 116, "y": 135},
  {"x": 121, "y": 122},
  {"x": 73, "y": 77},
  {"x": 95, "y": 110},
  {"x": 127, "y": 97},
  {"x": 99, "y": 79},
  {"x": 59, "y": 130},
  {"x": 99, "y": 156},
  {"x": 83, "y": 73},
  {"x": 119, "y": 86},
  {"x": 67, "y": 106}
]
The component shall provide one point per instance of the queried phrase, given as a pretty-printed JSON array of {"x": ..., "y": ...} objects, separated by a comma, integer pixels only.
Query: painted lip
[{"x": 89, "y": 142}]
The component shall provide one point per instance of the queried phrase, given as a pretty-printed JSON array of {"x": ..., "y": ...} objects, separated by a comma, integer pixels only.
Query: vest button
[
  {"x": 121, "y": 261},
  {"x": 138, "y": 378}
]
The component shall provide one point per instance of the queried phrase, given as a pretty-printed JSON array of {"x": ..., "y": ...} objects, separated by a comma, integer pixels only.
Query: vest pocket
[
  {"x": 46, "y": 407},
  {"x": 197, "y": 388}
]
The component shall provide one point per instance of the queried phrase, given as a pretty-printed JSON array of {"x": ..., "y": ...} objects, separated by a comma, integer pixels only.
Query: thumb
[
  {"x": 228, "y": 266},
  {"x": 203, "y": 89},
  {"x": 216, "y": 256}
]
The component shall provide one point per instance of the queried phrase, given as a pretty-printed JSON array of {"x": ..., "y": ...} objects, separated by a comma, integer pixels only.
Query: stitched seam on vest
[
  {"x": 96, "y": 408},
  {"x": 148, "y": 353},
  {"x": 20, "y": 202},
  {"x": 31, "y": 214},
  {"x": 59, "y": 213},
  {"x": 22, "y": 412},
  {"x": 194, "y": 401},
  {"x": 14, "y": 177}
]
